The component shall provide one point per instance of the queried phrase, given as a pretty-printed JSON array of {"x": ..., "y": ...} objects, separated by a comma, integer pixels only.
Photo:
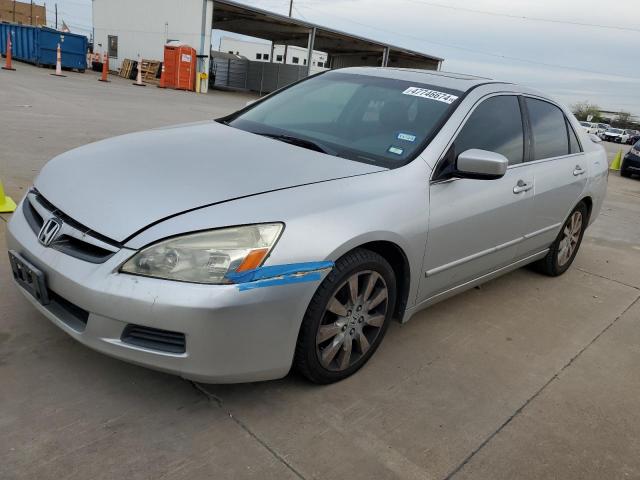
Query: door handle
[
  {"x": 522, "y": 186},
  {"x": 578, "y": 171}
]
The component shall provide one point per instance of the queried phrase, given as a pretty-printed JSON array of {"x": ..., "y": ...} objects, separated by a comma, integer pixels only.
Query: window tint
[
  {"x": 573, "y": 139},
  {"x": 496, "y": 126},
  {"x": 362, "y": 118},
  {"x": 549, "y": 129}
]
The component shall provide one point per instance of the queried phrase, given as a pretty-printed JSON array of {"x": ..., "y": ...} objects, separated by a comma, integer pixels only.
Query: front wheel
[
  {"x": 564, "y": 249},
  {"x": 347, "y": 317}
]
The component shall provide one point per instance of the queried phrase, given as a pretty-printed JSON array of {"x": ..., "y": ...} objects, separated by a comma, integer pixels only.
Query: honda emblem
[{"x": 49, "y": 231}]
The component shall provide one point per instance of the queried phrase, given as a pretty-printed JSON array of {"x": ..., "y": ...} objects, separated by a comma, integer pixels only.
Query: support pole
[
  {"x": 286, "y": 46},
  {"x": 312, "y": 41},
  {"x": 385, "y": 57}
]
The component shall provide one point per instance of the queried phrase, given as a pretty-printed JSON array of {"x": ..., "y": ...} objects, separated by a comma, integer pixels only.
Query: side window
[
  {"x": 495, "y": 125},
  {"x": 574, "y": 144},
  {"x": 549, "y": 129}
]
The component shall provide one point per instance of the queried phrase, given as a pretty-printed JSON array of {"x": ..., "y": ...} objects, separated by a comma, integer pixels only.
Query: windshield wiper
[{"x": 300, "y": 142}]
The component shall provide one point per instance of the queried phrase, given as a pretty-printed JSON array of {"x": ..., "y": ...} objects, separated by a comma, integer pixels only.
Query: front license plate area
[{"x": 29, "y": 277}]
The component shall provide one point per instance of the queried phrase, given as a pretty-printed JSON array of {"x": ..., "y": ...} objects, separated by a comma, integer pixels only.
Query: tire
[
  {"x": 335, "y": 327},
  {"x": 553, "y": 264},
  {"x": 624, "y": 173}
]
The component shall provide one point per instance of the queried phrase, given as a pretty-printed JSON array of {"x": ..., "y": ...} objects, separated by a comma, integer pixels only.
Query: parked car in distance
[
  {"x": 303, "y": 233},
  {"x": 589, "y": 127},
  {"x": 631, "y": 162},
  {"x": 616, "y": 135},
  {"x": 632, "y": 135},
  {"x": 602, "y": 127},
  {"x": 634, "y": 139}
]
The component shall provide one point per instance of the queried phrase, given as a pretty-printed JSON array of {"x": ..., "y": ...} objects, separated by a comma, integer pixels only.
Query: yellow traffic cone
[
  {"x": 615, "y": 165},
  {"x": 6, "y": 204}
]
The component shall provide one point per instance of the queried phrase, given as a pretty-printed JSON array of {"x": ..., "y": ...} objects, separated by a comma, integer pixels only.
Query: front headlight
[{"x": 206, "y": 257}]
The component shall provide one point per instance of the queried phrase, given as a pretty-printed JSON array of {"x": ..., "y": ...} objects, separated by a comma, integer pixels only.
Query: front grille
[
  {"x": 91, "y": 247},
  {"x": 154, "y": 339},
  {"x": 71, "y": 314}
]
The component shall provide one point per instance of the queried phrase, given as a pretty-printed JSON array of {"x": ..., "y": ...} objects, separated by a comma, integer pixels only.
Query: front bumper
[{"x": 230, "y": 335}]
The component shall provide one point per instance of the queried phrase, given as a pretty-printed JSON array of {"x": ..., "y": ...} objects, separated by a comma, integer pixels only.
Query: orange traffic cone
[
  {"x": 105, "y": 69},
  {"x": 163, "y": 82},
  {"x": 139, "y": 77},
  {"x": 7, "y": 64},
  {"x": 58, "y": 63}
]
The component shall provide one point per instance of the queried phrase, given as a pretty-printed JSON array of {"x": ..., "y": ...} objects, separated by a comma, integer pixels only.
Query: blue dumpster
[{"x": 38, "y": 45}]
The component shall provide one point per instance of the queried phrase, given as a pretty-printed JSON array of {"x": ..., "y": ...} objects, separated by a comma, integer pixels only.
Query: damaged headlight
[{"x": 206, "y": 257}]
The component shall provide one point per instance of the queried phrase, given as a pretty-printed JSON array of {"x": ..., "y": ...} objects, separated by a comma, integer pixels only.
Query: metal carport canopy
[{"x": 235, "y": 17}]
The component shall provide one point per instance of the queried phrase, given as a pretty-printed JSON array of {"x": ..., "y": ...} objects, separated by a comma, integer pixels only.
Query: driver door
[{"x": 475, "y": 226}]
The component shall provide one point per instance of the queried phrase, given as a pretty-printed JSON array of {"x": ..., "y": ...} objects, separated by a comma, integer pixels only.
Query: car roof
[{"x": 455, "y": 81}]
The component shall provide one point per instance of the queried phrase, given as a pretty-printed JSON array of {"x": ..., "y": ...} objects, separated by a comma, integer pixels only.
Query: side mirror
[{"x": 481, "y": 165}]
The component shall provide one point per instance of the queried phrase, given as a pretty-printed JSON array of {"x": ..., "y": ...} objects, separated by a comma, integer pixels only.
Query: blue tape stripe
[
  {"x": 279, "y": 275},
  {"x": 272, "y": 282}
]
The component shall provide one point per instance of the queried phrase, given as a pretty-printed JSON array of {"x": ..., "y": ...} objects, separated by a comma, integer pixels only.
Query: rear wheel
[
  {"x": 564, "y": 249},
  {"x": 347, "y": 317}
]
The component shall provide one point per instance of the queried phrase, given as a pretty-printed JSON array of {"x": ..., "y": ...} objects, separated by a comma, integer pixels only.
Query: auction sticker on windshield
[{"x": 431, "y": 94}]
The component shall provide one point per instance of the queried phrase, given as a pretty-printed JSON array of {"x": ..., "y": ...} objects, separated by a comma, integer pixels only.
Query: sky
[{"x": 574, "y": 50}]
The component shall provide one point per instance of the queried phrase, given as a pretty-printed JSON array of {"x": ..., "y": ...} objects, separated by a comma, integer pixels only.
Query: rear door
[
  {"x": 560, "y": 170},
  {"x": 476, "y": 225}
]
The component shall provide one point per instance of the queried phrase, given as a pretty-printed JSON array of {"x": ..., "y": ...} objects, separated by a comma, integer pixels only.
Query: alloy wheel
[
  {"x": 570, "y": 238},
  {"x": 352, "y": 320}
]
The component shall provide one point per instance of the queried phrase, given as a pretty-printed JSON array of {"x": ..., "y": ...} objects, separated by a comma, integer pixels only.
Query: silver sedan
[{"x": 292, "y": 232}]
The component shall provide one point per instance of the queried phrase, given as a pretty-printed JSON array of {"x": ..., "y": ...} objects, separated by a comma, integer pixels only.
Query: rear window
[
  {"x": 549, "y": 129},
  {"x": 574, "y": 143},
  {"x": 368, "y": 119}
]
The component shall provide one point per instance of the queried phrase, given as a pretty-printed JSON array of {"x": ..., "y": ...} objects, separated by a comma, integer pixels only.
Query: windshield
[
  {"x": 369, "y": 119},
  {"x": 615, "y": 130}
]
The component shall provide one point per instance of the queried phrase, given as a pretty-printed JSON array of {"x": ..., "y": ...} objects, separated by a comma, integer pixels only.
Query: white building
[
  {"x": 128, "y": 28},
  {"x": 267, "y": 52}
]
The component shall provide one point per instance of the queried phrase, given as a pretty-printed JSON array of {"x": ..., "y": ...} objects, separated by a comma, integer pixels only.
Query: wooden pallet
[
  {"x": 126, "y": 68},
  {"x": 150, "y": 69}
]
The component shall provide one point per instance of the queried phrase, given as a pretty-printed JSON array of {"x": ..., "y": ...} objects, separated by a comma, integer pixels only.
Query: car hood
[{"x": 119, "y": 186}]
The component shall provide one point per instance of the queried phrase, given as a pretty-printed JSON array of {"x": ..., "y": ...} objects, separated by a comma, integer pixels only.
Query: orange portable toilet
[{"x": 180, "y": 66}]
